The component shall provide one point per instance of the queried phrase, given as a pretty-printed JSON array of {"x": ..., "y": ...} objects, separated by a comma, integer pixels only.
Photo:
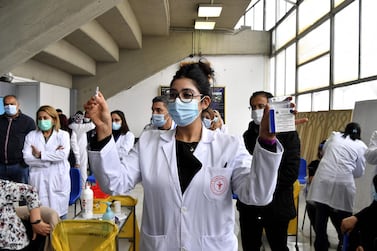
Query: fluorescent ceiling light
[
  {"x": 204, "y": 25},
  {"x": 209, "y": 10}
]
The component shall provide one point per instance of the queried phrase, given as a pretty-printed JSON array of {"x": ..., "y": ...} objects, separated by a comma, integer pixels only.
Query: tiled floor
[{"x": 303, "y": 240}]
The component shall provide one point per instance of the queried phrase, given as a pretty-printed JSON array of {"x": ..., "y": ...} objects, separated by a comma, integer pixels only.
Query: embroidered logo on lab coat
[{"x": 219, "y": 185}]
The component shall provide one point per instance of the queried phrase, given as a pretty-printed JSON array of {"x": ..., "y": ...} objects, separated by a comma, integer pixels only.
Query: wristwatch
[{"x": 36, "y": 222}]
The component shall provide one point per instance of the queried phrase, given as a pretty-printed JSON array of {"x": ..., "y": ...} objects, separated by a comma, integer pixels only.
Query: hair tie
[{"x": 354, "y": 130}]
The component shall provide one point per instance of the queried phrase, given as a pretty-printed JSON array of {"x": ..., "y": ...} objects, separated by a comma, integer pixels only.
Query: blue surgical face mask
[
  {"x": 158, "y": 120},
  {"x": 207, "y": 123},
  {"x": 44, "y": 124},
  {"x": 183, "y": 114},
  {"x": 116, "y": 126},
  {"x": 10, "y": 110}
]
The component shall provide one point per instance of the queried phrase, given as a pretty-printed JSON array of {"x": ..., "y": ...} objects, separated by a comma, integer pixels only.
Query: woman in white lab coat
[
  {"x": 46, "y": 151},
  {"x": 333, "y": 186},
  {"x": 188, "y": 174},
  {"x": 124, "y": 138}
]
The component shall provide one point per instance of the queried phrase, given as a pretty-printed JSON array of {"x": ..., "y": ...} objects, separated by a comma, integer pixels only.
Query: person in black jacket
[
  {"x": 14, "y": 125},
  {"x": 362, "y": 227},
  {"x": 274, "y": 217},
  {"x": 312, "y": 168}
]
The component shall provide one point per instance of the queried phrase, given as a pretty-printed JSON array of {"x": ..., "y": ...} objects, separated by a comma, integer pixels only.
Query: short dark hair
[
  {"x": 162, "y": 99},
  {"x": 267, "y": 95},
  {"x": 9, "y": 96}
]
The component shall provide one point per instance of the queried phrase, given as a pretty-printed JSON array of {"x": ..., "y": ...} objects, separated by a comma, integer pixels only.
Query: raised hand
[{"x": 97, "y": 110}]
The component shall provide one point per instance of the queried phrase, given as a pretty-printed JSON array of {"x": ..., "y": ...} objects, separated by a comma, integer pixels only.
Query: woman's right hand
[
  {"x": 97, "y": 110},
  {"x": 41, "y": 228}
]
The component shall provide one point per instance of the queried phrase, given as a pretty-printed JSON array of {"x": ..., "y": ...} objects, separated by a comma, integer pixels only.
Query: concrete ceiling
[{"x": 74, "y": 36}]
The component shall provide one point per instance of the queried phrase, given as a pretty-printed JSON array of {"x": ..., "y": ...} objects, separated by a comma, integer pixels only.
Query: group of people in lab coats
[{"x": 188, "y": 170}]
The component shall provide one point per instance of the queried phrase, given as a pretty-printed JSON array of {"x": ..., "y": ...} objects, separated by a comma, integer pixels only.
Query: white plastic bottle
[{"x": 87, "y": 202}]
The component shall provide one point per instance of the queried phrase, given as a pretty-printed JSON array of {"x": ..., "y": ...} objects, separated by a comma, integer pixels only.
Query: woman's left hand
[{"x": 264, "y": 131}]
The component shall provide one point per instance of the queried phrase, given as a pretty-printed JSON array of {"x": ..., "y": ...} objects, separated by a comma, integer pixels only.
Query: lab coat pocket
[
  {"x": 217, "y": 183},
  {"x": 154, "y": 242},
  {"x": 223, "y": 242}
]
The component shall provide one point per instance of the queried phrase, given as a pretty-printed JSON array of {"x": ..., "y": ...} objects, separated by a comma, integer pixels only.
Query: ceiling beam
[{"x": 31, "y": 25}]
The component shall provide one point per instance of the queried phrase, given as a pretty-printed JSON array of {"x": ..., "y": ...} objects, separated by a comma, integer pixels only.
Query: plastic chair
[
  {"x": 75, "y": 194},
  {"x": 302, "y": 172},
  {"x": 91, "y": 179},
  {"x": 78, "y": 235}
]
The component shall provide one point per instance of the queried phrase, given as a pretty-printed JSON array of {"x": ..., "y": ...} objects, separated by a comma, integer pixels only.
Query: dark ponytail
[
  {"x": 200, "y": 72},
  {"x": 353, "y": 130}
]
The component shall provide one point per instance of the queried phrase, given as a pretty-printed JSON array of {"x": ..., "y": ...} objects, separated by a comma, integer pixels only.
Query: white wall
[
  {"x": 241, "y": 75},
  {"x": 55, "y": 96}
]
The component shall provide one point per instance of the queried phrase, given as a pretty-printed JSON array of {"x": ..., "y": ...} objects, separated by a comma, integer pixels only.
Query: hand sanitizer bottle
[
  {"x": 87, "y": 202},
  {"x": 109, "y": 215}
]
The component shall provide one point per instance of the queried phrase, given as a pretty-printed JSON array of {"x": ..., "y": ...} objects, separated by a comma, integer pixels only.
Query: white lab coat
[
  {"x": 203, "y": 217},
  {"x": 371, "y": 152},
  {"x": 79, "y": 144},
  {"x": 150, "y": 126},
  {"x": 124, "y": 143},
  {"x": 50, "y": 173},
  {"x": 334, "y": 181}
]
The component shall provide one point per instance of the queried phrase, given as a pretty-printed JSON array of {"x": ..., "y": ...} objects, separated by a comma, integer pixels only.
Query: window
[
  {"x": 345, "y": 97},
  {"x": 310, "y": 11},
  {"x": 286, "y": 30},
  {"x": 337, "y": 2},
  {"x": 368, "y": 39},
  {"x": 346, "y": 44},
  {"x": 321, "y": 101},
  {"x": 314, "y": 43},
  {"x": 304, "y": 103},
  {"x": 329, "y": 46},
  {"x": 314, "y": 74},
  {"x": 270, "y": 14},
  {"x": 290, "y": 75},
  {"x": 280, "y": 74}
]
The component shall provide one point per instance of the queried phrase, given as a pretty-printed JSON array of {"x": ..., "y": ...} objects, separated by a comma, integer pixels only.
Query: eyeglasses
[
  {"x": 185, "y": 95},
  {"x": 256, "y": 107}
]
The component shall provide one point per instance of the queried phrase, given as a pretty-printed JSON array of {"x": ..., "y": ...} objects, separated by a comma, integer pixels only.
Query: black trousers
[
  {"x": 323, "y": 213},
  {"x": 252, "y": 222}
]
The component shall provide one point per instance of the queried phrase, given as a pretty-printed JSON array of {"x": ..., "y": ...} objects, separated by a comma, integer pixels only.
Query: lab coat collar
[
  {"x": 207, "y": 135},
  {"x": 201, "y": 152}
]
